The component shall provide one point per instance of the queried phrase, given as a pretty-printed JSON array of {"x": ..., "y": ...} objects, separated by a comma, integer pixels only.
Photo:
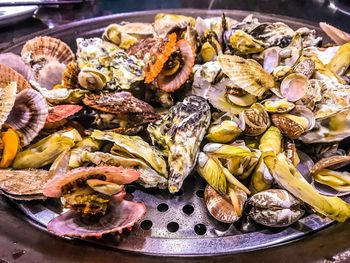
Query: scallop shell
[
  {"x": 57, "y": 116},
  {"x": 70, "y": 76},
  {"x": 8, "y": 75},
  {"x": 51, "y": 74},
  {"x": 28, "y": 114},
  {"x": 7, "y": 100},
  {"x": 221, "y": 207},
  {"x": 16, "y": 63},
  {"x": 247, "y": 74}
]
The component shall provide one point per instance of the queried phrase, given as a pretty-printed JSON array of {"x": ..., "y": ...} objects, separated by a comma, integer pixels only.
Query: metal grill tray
[{"x": 176, "y": 225}]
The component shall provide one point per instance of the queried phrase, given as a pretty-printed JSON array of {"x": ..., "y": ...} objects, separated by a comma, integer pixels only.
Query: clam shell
[
  {"x": 47, "y": 48},
  {"x": 338, "y": 36},
  {"x": 16, "y": 63},
  {"x": 221, "y": 207},
  {"x": 51, "y": 74},
  {"x": 92, "y": 79},
  {"x": 28, "y": 114},
  {"x": 7, "y": 75},
  {"x": 335, "y": 161},
  {"x": 305, "y": 67},
  {"x": 271, "y": 58},
  {"x": 294, "y": 86},
  {"x": 257, "y": 120}
]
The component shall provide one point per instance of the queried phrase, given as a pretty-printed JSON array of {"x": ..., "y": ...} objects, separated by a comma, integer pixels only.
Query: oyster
[
  {"x": 278, "y": 105},
  {"x": 91, "y": 79},
  {"x": 221, "y": 207},
  {"x": 275, "y": 208},
  {"x": 134, "y": 146},
  {"x": 180, "y": 133},
  {"x": 23, "y": 183},
  {"x": 226, "y": 128},
  {"x": 46, "y": 150},
  {"x": 294, "y": 87},
  {"x": 148, "y": 176},
  {"x": 120, "y": 69},
  {"x": 295, "y": 123},
  {"x": 246, "y": 74},
  {"x": 57, "y": 115},
  {"x": 244, "y": 43},
  {"x": 120, "y": 215},
  {"x": 7, "y": 99},
  {"x": 256, "y": 119},
  {"x": 87, "y": 144},
  {"x": 164, "y": 22},
  {"x": 16, "y": 63},
  {"x": 114, "y": 34},
  {"x": 41, "y": 50},
  {"x": 28, "y": 114}
]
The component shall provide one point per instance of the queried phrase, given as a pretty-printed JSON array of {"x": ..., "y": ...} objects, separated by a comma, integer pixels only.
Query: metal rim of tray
[{"x": 186, "y": 209}]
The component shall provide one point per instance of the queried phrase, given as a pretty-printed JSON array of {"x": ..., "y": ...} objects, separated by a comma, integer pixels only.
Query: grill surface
[{"x": 174, "y": 224}]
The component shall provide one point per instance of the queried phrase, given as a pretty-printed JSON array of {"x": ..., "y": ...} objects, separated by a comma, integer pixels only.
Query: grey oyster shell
[
  {"x": 179, "y": 134},
  {"x": 275, "y": 208}
]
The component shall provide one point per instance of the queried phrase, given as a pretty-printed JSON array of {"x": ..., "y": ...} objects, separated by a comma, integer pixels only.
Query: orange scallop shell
[{"x": 7, "y": 75}]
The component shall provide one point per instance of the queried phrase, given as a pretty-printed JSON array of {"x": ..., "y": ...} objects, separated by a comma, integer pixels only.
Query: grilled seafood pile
[{"x": 243, "y": 104}]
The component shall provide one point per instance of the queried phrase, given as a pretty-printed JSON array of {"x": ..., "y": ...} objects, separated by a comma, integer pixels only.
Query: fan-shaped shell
[
  {"x": 16, "y": 63},
  {"x": 57, "y": 115},
  {"x": 70, "y": 76},
  {"x": 8, "y": 75},
  {"x": 294, "y": 86},
  {"x": 51, "y": 74},
  {"x": 28, "y": 115},
  {"x": 7, "y": 100}
]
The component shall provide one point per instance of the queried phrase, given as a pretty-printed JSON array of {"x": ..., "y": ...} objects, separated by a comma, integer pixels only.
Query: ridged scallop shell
[
  {"x": 8, "y": 75},
  {"x": 221, "y": 207},
  {"x": 247, "y": 74},
  {"x": 16, "y": 63},
  {"x": 7, "y": 100},
  {"x": 28, "y": 115},
  {"x": 51, "y": 74},
  {"x": 70, "y": 76}
]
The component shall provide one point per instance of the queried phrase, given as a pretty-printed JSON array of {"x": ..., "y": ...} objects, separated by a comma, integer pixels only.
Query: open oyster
[{"x": 180, "y": 133}]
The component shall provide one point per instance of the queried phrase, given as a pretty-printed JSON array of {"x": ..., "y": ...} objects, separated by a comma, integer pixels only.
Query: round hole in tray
[
  {"x": 188, "y": 209},
  {"x": 200, "y": 193},
  {"x": 130, "y": 189},
  {"x": 200, "y": 229},
  {"x": 163, "y": 207},
  {"x": 172, "y": 227},
  {"x": 146, "y": 224}
]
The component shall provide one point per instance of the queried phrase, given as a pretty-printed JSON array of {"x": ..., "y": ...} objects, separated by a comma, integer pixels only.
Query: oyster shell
[
  {"x": 87, "y": 144},
  {"x": 114, "y": 34},
  {"x": 43, "y": 49},
  {"x": 28, "y": 114},
  {"x": 23, "y": 183},
  {"x": 164, "y": 22},
  {"x": 148, "y": 176},
  {"x": 180, "y": 133},
  {"x": 7, "y": 100},
  {"x": 120, "y": 69},
  {"x": 294, "y": 87},
  {"x": 271, "y": 58},
  {"x": 16, "y": 63},
  {"x": 275, "y": 208},
  {"x": 134, "y": 146},
  {"x": 295, "y": 123},
  {"x": 244, "y": 43},
  {"x": 120, "y": 215},
  {"x": 247, "y": 74},
  {"x": 256, "y": 119},
  {"x": 221, "y": 207}
]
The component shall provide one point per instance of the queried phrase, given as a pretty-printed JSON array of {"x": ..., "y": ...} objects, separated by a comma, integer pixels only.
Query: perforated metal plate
[{"x": 174, "y": 224}]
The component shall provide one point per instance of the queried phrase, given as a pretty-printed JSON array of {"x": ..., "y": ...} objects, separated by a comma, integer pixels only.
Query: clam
[
  {"x": 41, "y": 50},
  {"x": 275, "y": 208},
  {"x": 338, "y": 36},
  {"x": 278, "y": 105},
  {"x": 28, "y": 114},
  {"x": 239, "y": 97},
  {"x": 16, "y": 63},
  {"x": 271, "y": 58},
  {"x": 246, "y": 74},
  {"x": 305, "y": 67},
  {"x": 294, "y": 86},
  {"x": 280, "y": 72},
  {"x": 291, "y": 54},
  {"x": 70, "y": 76},
  {"x": 256, "y": 119},
  {"x": 332, "y": 162},
  {"x": 226, "y": 128},
  {"x": 91, "y": 79},
  {"x": 295, "y": 123},
  {"x": 221, "y": 207},
  {"x": 332, "y": 183},
  {"x": 211, "y": 47},
  {"x": 245, "y": 44}
]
